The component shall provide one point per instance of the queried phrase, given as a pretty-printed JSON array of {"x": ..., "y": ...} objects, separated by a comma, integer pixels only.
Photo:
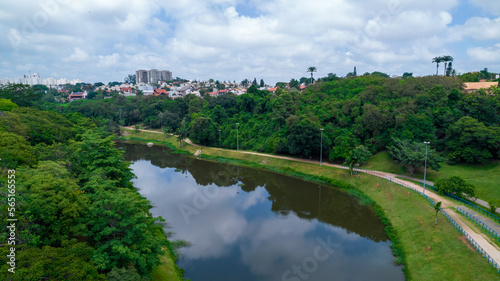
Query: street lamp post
[
  {"x": 237, "y": 143},
  {"x": 220, "y": 143},
  {"x": 425, "y": 165},
  {"x": 321, "y": 148}
]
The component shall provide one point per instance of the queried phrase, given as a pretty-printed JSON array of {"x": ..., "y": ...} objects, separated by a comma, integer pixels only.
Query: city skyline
[{"x": 239, "y": 39}]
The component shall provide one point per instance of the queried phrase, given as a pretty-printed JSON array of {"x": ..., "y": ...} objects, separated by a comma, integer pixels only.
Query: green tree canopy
[
  {"x": 7, "y": 105},
  {"x": 20, "y": 94},
  {"x": 411, "y": 154},
  {"x": 455, "y": 185},
  {"x": 469, "y": 140}
]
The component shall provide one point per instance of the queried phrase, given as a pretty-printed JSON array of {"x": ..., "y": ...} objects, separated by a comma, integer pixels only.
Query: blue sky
[{"x": 274, "y": 40}]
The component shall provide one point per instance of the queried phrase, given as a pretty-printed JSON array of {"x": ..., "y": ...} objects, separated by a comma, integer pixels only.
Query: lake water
[{"x": 249, "y": 224}]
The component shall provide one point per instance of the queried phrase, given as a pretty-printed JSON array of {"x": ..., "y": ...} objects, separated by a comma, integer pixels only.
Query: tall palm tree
[
  {"x": 446, "y": 59},
  {"x": 311, "y": 69},
  {"x": 437, "y": 60}
]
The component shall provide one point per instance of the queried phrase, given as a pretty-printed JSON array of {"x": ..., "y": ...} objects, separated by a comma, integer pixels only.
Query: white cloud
[
  {"x": 212, "y": 39},
  {"x": 489, "y": 6},
  {"x": 489, "y": 54},
  {"x": 78, "y": 55}
]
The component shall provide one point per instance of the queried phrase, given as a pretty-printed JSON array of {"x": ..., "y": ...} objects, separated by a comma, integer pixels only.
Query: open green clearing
[
  {"x": 486, "y": 177},
  {"x": 449, "y": 257}
]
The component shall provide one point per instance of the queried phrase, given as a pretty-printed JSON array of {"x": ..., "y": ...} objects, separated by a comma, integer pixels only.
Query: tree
[
  {"x": 130, "y": 79},
  {"x": 449, "y": 70},
  {"x": 311, "y": 69},
  {"x": 262, "y": 84},
  {"x": 254, "y": 82},
  {"x": 96, "y": 158},
  {"x": 294, "y": 84},
  {"x": 437, "y": 208},
  {"x": 304, "y": 136},
  {"x": 357, "y": 156},
  {"x": 72, "y": 261},
  {"x": 202, "y": 130},
  {"x": 412, "y": 155},
  {"x": 437, "y": 60},
  {"x": 469, "y": 140},
  {"x": 20, "y": 94},
  {"x": 7, "y": 105},
  {"x": 14, "y": 150},
  {"x": 55, "y": 206},
  {"x": 407, "y": 74},
  {"x": 446, "y": 59},
  {"x": 455, "y": 185}
]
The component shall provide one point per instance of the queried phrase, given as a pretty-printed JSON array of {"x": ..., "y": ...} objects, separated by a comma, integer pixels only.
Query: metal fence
[
  {"x": 468, "y": 203},
  {"x": 473, "y": 242},
  {"x": 492, "y": 232},
  {"x": 469, "y": 238}
]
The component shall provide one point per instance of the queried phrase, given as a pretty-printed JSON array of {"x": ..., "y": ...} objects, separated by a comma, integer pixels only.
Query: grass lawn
[
  {"x": 166, "y": 271},
  {"x": 449, "y": 257},
  {"x": 486, "y": 177}
]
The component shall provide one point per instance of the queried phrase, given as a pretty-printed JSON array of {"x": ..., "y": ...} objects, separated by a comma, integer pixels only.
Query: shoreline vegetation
[{"x": 428, "y": 252}]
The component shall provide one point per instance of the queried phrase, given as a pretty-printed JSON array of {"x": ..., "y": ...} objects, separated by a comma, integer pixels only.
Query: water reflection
[{"x": 249, "y": 224}]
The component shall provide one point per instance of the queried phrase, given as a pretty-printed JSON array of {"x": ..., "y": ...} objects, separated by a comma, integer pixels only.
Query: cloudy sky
[{"x": 95, "y": 40}]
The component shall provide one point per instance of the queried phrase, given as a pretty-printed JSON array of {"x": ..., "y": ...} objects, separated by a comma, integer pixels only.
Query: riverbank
[{"x": 432, "y": 253}]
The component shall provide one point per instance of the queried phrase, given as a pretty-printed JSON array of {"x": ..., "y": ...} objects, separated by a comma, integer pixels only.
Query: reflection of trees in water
[{"x": 287, "y": 194}]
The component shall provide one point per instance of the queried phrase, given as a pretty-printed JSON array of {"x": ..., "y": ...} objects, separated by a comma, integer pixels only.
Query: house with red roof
[
  {"x": 160, "y": 92},
  {"x": 77, "y": 96},
  {"x": 272, "y": 90}
]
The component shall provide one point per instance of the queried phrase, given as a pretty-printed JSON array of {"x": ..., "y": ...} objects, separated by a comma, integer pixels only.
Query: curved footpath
[{"x": 482, "y": 240}]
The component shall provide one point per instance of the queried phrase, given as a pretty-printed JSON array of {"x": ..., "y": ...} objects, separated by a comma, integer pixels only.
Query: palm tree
[
  {"x": 311, "y": 69},
  {"x": 446, "y": 59},
  {"x": 437, "y": 60},
  {"x": 437, "y": 207}
]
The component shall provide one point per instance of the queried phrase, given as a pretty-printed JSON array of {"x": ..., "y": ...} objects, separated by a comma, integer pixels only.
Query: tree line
[
  {"x": 78, "y": 215},
  {"x": 372, "y": 111}
]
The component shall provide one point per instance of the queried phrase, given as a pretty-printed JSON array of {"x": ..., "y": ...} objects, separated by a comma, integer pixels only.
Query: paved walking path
[
  {"x": 476, "y": 200},
  {"x": 484, "y": 241}
]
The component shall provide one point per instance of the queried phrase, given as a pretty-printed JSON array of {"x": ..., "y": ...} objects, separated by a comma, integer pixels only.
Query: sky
[{"x": 232, "y": 40}]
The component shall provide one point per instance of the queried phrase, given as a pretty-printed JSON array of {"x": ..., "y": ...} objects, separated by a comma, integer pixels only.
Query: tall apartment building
[
  {"x": 152, "y": 76},
  {"x": 141, "y": 76},
  {"x": 166, "y": 75},
  {"x": 32, "y": 79}
]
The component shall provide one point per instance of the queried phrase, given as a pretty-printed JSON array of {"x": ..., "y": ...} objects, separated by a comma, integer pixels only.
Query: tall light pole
[
  {"x": 321, "y": 148},
  {"x": 220, "y": 143},
  {"x": 425, "y": 165},
  {"x": 161, "y": 121},
  {"x": 237, "y": 144}
]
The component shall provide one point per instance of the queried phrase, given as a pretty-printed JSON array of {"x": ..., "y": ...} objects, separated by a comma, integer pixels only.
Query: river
[{"x": 252, "y": 224}]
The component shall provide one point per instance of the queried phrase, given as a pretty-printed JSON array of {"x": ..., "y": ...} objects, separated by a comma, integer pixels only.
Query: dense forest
[
  {"x": 370, "y": 111},
  {"x": 78, "y": 217}
]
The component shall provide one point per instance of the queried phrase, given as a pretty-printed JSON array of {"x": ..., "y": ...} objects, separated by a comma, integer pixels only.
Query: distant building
[
  {"x": 141, "y": 76},
  {"x": 146, "y": 89},
  {"x": 77, "y": 96},
  {"x": 152, "y": 76},
  {"x": 166, "y": 75},
  {"x": 471, "y": 87},
  {"x": 160, "y": 92}
]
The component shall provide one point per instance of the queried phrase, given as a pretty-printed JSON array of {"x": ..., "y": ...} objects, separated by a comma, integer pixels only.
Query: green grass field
[
  {"x": 449, "y": 257},
  {"x": 486, "y": 177}
]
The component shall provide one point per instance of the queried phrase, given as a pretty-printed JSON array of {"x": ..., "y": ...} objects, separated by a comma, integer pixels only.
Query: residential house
[
  {"x": 160, "y": 92},
  {"x": 472, "y": 87},
  {"x": 77, "y": 96}
]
